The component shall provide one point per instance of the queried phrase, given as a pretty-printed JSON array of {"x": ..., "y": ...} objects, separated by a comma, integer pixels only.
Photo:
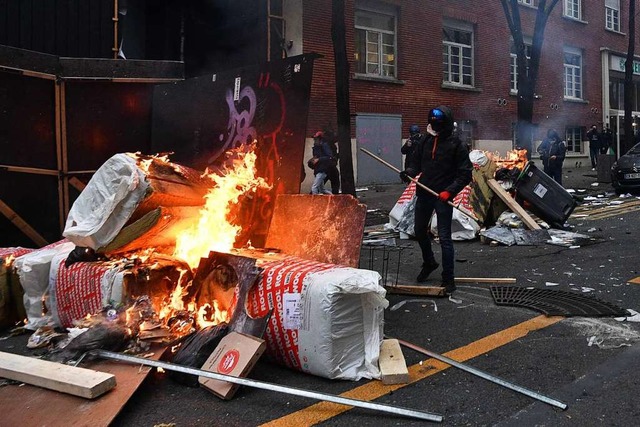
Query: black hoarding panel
[
  {"x": 104, "y": 119},
  {"x": 200, "y": 118},
  {"x": 34, "y": 198},
  {"x": 27, "y": 122}
]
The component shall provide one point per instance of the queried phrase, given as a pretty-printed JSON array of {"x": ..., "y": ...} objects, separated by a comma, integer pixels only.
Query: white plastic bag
[
  {"x": 33, "y": 270},
  {"x": 463, "y": 227},
  {"x": 106, "y": 204}
]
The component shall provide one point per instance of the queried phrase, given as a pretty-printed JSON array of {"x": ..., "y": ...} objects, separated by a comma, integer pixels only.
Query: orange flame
[
  {"x": 9, "y": 260},
  {"x": 213, "y": 231},
  {"x": 513, "y": 159}
]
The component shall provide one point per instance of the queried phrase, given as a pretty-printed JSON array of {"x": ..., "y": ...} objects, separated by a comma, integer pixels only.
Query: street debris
[{"x": 406, "y": 301}]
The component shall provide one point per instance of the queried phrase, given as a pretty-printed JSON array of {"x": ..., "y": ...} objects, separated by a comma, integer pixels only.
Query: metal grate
[
  {"x": 555, "y": 303},
  {"x": 383, "y": 257}
]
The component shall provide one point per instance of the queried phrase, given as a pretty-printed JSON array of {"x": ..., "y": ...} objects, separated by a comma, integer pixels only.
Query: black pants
[{"x": 425, "y": 205}]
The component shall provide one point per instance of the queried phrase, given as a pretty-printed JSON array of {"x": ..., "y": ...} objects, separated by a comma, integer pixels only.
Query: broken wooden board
[
  {"x": 29, "y": 406},
  {"x": 157, "y": 228},
  {"x": 635, "y": 281},
  {"x": 80, "y": 382},
  {"x": 434, "y": 291},
  {"x": 393, "y": 368},
  {"x": 323, "y": 228},
  {"x": 513, "y": 205}
]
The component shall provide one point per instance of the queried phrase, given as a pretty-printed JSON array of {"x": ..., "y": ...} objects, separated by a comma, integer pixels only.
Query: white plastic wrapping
[
  {"x": 106, "y": 204},
  {"x": 342, "y": 323},
  {"x": 325, "y": 320},
  {"x": 463, "y": 227},
  {"x": 33, "y": 270}
]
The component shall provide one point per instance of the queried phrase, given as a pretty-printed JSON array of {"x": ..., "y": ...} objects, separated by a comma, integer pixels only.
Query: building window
[
  {"x": 573, "y": 139},
  {"x": 376, "y": 42},
  {"x": 612, "y": 14},
  {"x": 572, "y": 73},
  {"x": 465, "y": 132},
  {"x": 275, "y": 45},
  {"x": 457, "y": 54},
  {"x": 514, "y": 65},
  {"x": 573, "y": 9},
  {"x": 527, "y": 2}
]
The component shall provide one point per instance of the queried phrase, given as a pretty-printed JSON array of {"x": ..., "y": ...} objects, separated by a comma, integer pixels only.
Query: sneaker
[
  {"x": 427, "y": 269},
  {"x": 449, "y": 287}
]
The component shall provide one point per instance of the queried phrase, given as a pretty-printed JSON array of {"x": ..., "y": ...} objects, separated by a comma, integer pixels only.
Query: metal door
[{"x": 382, "y": 135}]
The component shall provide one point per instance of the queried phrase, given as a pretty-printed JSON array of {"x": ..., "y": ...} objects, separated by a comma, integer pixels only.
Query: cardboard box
[{"x": 236, "y": 355}]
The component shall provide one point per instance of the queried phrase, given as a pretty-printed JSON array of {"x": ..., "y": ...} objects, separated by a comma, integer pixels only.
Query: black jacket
[{"x": 443, "y": 161}]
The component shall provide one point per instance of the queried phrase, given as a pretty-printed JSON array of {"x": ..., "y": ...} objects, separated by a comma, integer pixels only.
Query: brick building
[{"x": 407, "y": 56}]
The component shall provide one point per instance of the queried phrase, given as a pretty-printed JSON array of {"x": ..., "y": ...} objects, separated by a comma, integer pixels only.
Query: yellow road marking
[
  {"x": 607, "y": 211},
  {"x": 325, "y": 410}
]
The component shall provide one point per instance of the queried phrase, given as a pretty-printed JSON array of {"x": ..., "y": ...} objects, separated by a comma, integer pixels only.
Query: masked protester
[
  {"x": 443, "y": 162},
  {"x": 410, "y": 144},
  {"x": 552, "y": 153}
]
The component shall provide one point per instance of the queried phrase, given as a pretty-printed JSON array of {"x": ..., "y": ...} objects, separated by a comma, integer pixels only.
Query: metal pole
[
  {"x": 419, "y": 184},
  {"x": 484, "y": 375},
  {"x": 269, "y": 386}
]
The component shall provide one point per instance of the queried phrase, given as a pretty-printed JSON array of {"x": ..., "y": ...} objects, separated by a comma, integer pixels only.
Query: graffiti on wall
[{"x": 201, "y": 118}]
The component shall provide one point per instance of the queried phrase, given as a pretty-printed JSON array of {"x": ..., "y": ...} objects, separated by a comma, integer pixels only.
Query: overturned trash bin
[{"x": 549, "y": 200}]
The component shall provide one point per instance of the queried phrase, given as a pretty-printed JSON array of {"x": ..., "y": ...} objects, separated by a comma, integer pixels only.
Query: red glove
[{"x": 444, "y": 196}]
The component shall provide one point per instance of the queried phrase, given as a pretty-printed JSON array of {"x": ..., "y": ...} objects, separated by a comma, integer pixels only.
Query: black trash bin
[{"x": 549, "y": 200}]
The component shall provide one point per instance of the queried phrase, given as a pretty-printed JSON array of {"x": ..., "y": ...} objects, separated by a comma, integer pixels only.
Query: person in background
[
  {"x": 594, "y": 145},
  {"x": 606, "y": 139},
  {"x": 552, "y": 151},
  {"x": 321, "y": 163},
  {"x": 410, "y": 144},
  {"x": 442, "y": 161}
]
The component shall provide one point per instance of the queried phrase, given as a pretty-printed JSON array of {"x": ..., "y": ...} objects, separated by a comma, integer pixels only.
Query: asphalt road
[{"x": 557, "y": 357}]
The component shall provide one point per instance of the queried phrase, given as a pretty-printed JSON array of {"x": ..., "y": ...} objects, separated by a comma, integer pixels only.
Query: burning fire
[
  {"x": 213, "y": 231},
  {"x": 9, "y": 260},
  {"x": 513, "y": 159}
]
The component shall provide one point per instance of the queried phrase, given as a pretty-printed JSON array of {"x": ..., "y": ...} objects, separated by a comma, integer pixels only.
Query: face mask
[{"x": 437, "y": 120}]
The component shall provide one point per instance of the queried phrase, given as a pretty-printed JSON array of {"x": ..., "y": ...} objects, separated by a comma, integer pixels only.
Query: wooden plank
[
  {"x": 22, "y": 224},
  {"x": 434, "y": 291},
  {"x": 393, "y": 368},
  {"x": 28, "y": 406},
  {"x": 77, "y": 184},
  {"x": 515, "y": 207},
  {"x": 56, "y": 376},
  {"x": 635, "y": 281},
  {"x": 22, "y": 169}
]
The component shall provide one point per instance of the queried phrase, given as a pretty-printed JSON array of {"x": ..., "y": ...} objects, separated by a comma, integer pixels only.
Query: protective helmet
[
  {"x": 437, "y": 119},
  {"x": 414, "y": 129}
]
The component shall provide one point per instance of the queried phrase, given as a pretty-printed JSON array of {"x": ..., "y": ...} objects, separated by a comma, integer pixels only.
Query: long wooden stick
[
  {"x": 22, "y": 224},
  {"x": 421, "y": 185}
]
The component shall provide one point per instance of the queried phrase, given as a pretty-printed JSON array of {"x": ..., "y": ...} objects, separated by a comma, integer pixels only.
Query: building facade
[{"x": 407, "y": 56}]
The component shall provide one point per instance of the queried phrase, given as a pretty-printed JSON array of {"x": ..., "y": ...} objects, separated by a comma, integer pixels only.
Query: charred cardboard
[{"x": 236, "y": 355}]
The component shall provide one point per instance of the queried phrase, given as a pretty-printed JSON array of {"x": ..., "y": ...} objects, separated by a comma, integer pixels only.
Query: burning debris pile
[
  {"x": 135, "y": 237},
  {"x": 156, "y": 253}
]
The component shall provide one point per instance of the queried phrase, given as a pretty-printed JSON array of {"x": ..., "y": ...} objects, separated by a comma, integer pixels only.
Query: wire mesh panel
[{"x": 383, "y": 256}]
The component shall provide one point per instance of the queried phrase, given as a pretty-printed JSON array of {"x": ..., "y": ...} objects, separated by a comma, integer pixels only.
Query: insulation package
[{"x": 327, "y": 320}]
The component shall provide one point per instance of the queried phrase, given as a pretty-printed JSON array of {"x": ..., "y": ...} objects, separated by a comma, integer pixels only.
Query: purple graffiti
[{"x": 240, "y": 126}]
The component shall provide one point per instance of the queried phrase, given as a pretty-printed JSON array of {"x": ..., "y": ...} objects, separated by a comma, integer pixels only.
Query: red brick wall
[{"x": 420, "y": 65}]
